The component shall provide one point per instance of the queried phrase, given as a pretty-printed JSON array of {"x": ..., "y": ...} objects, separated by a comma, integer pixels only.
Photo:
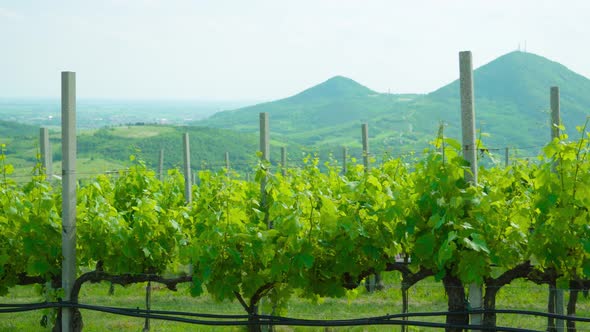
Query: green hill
[
  {"x": 511, "y": 102},
  {"x": 336, "y": 87},
  {"x": 310, "y": 117},
  {"x": 208, "y": 145},
  {"x": 512, "y": 99}
]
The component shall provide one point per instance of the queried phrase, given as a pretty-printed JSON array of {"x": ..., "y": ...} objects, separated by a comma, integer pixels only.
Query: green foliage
[
  {"x": 137, "y": 220},
  {"x": 314, "y": 230},
  {"x": 30, "y": 241},
  {"x": 558, "y": 239}
]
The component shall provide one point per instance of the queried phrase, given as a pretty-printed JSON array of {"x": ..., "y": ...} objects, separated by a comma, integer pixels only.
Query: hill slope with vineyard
[{"x": 108, "y": 149}]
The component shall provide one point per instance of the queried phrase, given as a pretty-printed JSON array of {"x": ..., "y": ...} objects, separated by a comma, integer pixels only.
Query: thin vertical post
[
  {"x": 441, "y": 135},
  {"x": 344, "y": 160},
  {"x": 468, "y": 115},
  {"x": 161, "y": 165},
  {"x": 284, "y": 160},
  {"x": 555, "y": 122},
  {"x": 46, "y": 157},
  {"x": 265, "y": 149},
  {"x": 365, "y": 130},
  {"x": 148, "y": 305},
  {"x": 68, "y": 137},
  {"x": 227, "y": 162},
  {"x": 555, "y": 112},
  {"x": 506, "y": 158},
  {"x": 265, "y": 136},
  {"x": 374, "y": 281},
  {"x": 469, "y": 153},
  {"x": 188, "y": 190}
]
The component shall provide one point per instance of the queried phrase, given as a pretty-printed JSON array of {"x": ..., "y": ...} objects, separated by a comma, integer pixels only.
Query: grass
[{"x": 426, "y": 296}]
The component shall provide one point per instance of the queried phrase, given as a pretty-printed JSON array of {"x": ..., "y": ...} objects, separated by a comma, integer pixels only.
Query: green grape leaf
[
  {"x": 446, "y": 251},
  {"x": 472, "y": 267},
  {"x": 424, "y": 246},
  {"x": 38, "y": 267},
  {"x": 586, "y": 267},
  {"x": 304, "y": 260},
  {"x": 563, "y": 282},
  {"x": 477, "y": 243}
]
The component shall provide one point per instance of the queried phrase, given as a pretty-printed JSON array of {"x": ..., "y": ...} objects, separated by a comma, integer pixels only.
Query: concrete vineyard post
[
  {"x": 187, "y": 169},
  {"x": 227, "y": 162},
  {"x": 558, "y": 294},
  {"x": 555, "y": 112},
  {"x": 265, "y": 149},
  {"x": 441, "y": 134},
  {"x": 365, "y": 130},
  {"x": 506, "y": 158},
  {"x": 344, "y": 159},
  {"x": 161, "y": 165},
  {"x": 284, "y": 161},
  {"x": 265, "y": 136},
  {"x": 68, "y": 137},
  {"x": 46, "y": 156},
  {"x": 469, "y": 153},
  {"x": 374, "y": 281},
  {"x": 148, "y": 305},
  {"x": 468, "y": 115}
]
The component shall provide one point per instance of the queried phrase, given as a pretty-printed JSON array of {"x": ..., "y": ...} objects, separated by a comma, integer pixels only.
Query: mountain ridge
[
  {"x": 336, "y": 86},
  {"x": 332, "y": 102},
  {"x": 511, "y": 89},
  {"x": 515, "y": 87}
]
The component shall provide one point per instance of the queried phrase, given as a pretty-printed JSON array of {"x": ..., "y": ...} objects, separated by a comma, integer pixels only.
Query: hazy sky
[{"x": 269, "y": 49}]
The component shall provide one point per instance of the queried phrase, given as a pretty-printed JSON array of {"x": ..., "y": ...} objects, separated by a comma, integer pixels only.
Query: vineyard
[
  {"x": 317, "y": 231},
  {"x": 329, "y": 230}
]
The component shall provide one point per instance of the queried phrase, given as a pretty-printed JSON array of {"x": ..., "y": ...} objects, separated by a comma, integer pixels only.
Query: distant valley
[{"x": 98, "y": 113}]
